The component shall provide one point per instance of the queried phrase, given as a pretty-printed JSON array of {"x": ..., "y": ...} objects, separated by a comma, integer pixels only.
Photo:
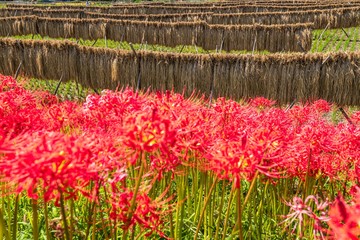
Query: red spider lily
[
  {"x": 153, "y": 134},
  {"x": 316, "y": 150},
  {"x": 321, "y": 106},
  {"x": 106, "y": 112},
  {"x": 355, "y": 117},
  {"x": 261, "y": 102},
  {"x": 50, "y": 146},
  {"x": 7, "y": 83},
  {"x": 19, "y": 112},
  {"x": 300, "y": 208},
  {"x": 345, "y": 219},
  {"x": 194, "y": 133},
  {"x": 252, "y": 141},
  {"x": 310, "y": 112},
  {"x": 148, "y": 214},
  {"x": 187, "y": 120},
  {"x": 65, "y": 117},
  {"x": 46, "y": 99},
  {"x": 138, "y": 124},
  {"x": 148, "y": 132},
  {"x": 52, "y": 162}
]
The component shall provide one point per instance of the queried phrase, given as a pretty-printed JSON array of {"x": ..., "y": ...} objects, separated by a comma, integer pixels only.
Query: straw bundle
[
  {"x": 13, "y": 12},
  {"x": 148, "y": 9},
  {"x": 340, "y": 17},
  {"x": 258, "y": 37},
  {"x": 169, "y": 34},
  {"x": 284, "y": 77}
]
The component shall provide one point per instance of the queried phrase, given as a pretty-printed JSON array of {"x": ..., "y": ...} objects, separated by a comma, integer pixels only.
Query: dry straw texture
[
  {"x": 296, "y": 37},
  {"x": 158, "y": 9},
  {"x": 334, "y": 18},
  {"x": 284, "y": 77}
]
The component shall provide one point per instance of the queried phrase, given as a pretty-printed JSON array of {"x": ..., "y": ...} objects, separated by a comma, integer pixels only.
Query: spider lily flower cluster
[{"x": 139, "y": 165}]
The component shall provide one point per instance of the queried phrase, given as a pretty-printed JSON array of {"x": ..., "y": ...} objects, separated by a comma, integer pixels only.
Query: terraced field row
[
  {"x": 146, "y": 9},
  {"x": 196, "y": 140},
  {"x": 274, "y": 38},
  {"x": 335, "y": 18},
  {"x": 286, "y": 76},
  {"x": 200, "y": 36}
]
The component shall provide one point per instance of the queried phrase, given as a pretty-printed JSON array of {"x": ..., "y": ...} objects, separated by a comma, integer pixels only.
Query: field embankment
[
  {"x": 274, "y": 38},
  {"x": 284, "y": 77}
]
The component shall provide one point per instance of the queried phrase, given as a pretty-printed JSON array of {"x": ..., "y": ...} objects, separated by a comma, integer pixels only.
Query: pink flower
[{"x": 300, "y": 208}]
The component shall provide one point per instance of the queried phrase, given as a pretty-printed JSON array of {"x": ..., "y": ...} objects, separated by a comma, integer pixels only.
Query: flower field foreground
[{"x": 127, "y": 165}]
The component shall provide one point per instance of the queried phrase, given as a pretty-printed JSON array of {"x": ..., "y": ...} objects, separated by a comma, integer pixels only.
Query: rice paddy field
[{"x": 180, "y": 120}]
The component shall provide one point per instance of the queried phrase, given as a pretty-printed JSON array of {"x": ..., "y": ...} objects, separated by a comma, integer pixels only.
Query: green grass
[
  {"x": 353, "y": 44},
  {"x": 75, "y": 92},
  {"x": 144, "y": 46},
  {"x": 333, "y": 40},
  {"x": 259, "y": 223},
  {"x": 322, "y": 40},
  {"x": 66, "y": 91},
  {"x": 330, "y": 40}
]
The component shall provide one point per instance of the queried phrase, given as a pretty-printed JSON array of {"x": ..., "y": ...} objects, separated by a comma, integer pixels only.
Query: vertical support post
[
  {"x": 138, "y": 85},
  {"x": 346, "y": 115}
]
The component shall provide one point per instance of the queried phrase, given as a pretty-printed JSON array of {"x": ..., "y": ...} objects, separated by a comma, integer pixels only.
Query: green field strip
[
  {"x": 322, "y": 40},
  {"x": 331, "y": 47},
  {"x": 143, "y": 46},
  {"x": 353, "y": 46},
  {"x": 67, "y": 90},
  {"x": 316, "y": 41},
  {"x": 349, "y": 39},
  {"x": 333, "y": 40},
  {"x": 341, "y": 37},
  {"x": 328, "y": 46}
]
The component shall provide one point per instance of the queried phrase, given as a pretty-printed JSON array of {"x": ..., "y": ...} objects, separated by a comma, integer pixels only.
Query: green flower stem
[
  {"x": 180, "y": 208},
  {"x": 250, "y": 189},
  {"x": 133, "y": 232},
  {"x": 199, "y": 196},
  {"x": 35, "y": 219},
  {"x": 72, "y": 209},
  {"x": 46, "y": 216},
  {"x": 63, "y": 214},
  {"x": 94, "y": 224},
  {"x": 15, "y": 221},
  {"x": 133, "y": 200},
  {"x": 104, "y": 226},
  {"x": 243, "y": 205},
  {"x": 205, "y": 213},
  {"x": 285, "y": 186},
  {"x": 91, "y": 218},
  {"x": 231, "y": 199},
  {"x": 220, "y": 210},
  {"x": 260, "y": 211},
  {"x": 211, "y": 216},
  {"x": 8, "y": 209},
  {"x": 204, "y": 208},
  {"x": 239, "y": 212},
  {"x": 171, "y": 226},
  {"x": 307, "y": 176},
  {"x": 3, "y": 229},
  {"x": 167, "y": 180},
  {"x": 103, "y": 222}
]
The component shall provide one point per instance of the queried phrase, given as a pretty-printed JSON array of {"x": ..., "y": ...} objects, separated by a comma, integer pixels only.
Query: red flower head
[
  {"x": 261, "y": 102},
  {"x": 345, "y": 219}
]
